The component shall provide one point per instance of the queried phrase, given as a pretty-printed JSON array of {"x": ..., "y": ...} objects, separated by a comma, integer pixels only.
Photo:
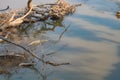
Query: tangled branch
[{"x": 33, "y": 13}]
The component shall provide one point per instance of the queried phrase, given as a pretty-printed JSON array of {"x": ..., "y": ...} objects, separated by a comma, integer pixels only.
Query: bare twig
[
  {"x": 12, "y": 18},
  {"x": 18, "y": 21},
  {"x": 54, "y": 52}
]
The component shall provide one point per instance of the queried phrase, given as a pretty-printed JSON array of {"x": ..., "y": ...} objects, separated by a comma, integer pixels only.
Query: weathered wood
[
  {"x": 19, "y": 21},
  {"x": 34, "y": 13},
  {"x": 54, "y": 11}
]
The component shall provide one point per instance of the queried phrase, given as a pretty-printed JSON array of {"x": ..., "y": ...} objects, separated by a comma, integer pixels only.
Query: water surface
[{"x": 88, "y": 39}]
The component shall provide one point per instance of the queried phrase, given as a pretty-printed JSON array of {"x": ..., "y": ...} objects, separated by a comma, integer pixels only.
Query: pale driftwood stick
[
  {"x": 18, "y": 21},
  {"x": 12, "y": 18},
  {"x": 54, "y": 52}
]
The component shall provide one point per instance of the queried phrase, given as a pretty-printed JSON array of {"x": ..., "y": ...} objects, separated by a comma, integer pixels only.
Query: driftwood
[
  {"x": 33, "y": 13},
  {"x": 54, "y": 11}
]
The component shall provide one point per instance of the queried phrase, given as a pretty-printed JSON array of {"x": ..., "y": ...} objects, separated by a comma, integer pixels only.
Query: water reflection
[
  {"x": 100, "y": 38},
  {"x": 110, "y": 23},
  {"x": 93, "y": 65},
  {"x": 115, "y": 73},
  {"x": 29, "y": 33},
  {"x": 92, "y": 45},
  {"x": 34, "y": 73},
  {"x": 99, "y": 29},
  {"x": 41, "y": 27}
]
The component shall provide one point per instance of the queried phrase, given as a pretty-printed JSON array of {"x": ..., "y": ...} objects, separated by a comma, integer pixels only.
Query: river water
[{"x": 89, "y": 39}]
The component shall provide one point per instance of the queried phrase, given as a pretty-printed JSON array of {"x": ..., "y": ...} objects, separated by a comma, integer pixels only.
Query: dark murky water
[{"x": 89, "y": 39}]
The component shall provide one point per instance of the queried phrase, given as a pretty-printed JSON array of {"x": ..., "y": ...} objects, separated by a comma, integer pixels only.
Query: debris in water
[{"x": 118, "y": 14}]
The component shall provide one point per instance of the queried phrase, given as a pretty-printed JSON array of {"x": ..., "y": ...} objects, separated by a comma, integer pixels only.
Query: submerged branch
[
  {"x": 21, "y": 47},
  {"x": 35, "y": 56},
  {"x": 56, "y": 64}
]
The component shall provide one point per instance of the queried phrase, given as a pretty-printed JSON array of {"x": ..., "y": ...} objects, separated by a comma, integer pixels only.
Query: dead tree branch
[{"x": 18, "y": 21}]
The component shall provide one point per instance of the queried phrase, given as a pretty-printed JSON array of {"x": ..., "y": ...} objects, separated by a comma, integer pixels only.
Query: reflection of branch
[
  {"x": 54, "y": 52},
  {"x": 5, "y": 9},
  {"x": 21, "y": 47},
  {"x": 41, "y": 73},
  {"x": 35, "y": 56},
  {"x": 63, "y": 33},
  {"x": 56, "y": 64},
  {"x": 53, "y": 24}
]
